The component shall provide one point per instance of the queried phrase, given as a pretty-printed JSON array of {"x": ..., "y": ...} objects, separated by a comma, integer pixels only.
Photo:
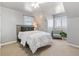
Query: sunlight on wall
[{"x": 38, "y": 19}]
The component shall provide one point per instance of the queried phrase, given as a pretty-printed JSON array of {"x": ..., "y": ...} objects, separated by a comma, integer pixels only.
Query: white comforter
[{"x": 35, "y": 39}]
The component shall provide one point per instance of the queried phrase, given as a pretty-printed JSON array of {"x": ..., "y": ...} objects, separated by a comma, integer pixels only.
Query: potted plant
[{"x": 63, "y": 35}]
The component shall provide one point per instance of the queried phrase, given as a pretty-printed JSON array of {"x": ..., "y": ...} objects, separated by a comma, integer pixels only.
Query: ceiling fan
[{"x": 32, "y": 5}]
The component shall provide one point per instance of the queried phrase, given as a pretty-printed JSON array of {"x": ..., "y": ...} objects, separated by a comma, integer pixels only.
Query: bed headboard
[{"x": 22, "y": 28}]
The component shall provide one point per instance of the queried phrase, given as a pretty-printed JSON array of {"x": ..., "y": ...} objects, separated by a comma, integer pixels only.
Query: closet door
[
  {"x": 0, "y": 29},
  {"x": 0, "y": 25}
]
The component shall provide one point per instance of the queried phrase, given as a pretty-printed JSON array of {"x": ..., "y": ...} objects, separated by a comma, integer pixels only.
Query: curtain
[{"x": 60, "y": 22}]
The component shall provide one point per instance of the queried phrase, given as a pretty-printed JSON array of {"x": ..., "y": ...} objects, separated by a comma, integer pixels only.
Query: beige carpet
[{"x": 58, "y": 48}]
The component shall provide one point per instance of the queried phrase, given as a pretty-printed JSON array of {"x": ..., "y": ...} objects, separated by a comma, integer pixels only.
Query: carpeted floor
[{"x": 58, "y": 48}]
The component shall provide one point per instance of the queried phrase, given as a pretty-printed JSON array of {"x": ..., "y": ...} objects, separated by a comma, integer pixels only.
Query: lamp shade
[{"x": 35, "y": 24}]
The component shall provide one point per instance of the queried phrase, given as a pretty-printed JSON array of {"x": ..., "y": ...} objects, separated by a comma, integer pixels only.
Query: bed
[{"x": 35, "y": 39}]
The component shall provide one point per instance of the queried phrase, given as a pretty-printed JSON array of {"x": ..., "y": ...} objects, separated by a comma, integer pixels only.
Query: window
[
  {"x": 50, "y": 23},
  {"x": 60, "y": 21},
  {"x": 28, "y": 20},
  {"x": 64, "y": 22}
]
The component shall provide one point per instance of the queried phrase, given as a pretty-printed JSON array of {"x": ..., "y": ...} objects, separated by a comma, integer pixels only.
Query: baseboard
[
  {"x": 73, "y": 45},
  {"x": 8, "y": 43}
]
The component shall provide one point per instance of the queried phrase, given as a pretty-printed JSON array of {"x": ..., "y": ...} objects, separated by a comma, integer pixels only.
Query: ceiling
[
  {"x": 45, "y": 8},
  {"x": 72, "y": 9}
]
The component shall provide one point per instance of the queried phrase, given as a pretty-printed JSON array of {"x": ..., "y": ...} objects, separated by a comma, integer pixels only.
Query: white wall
[
  {"x": 10, "y": 18},
  {"x": 0, "y": 24},
  {"x": 73, "y": 30},
  {"x": 0, "y": 28}
]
